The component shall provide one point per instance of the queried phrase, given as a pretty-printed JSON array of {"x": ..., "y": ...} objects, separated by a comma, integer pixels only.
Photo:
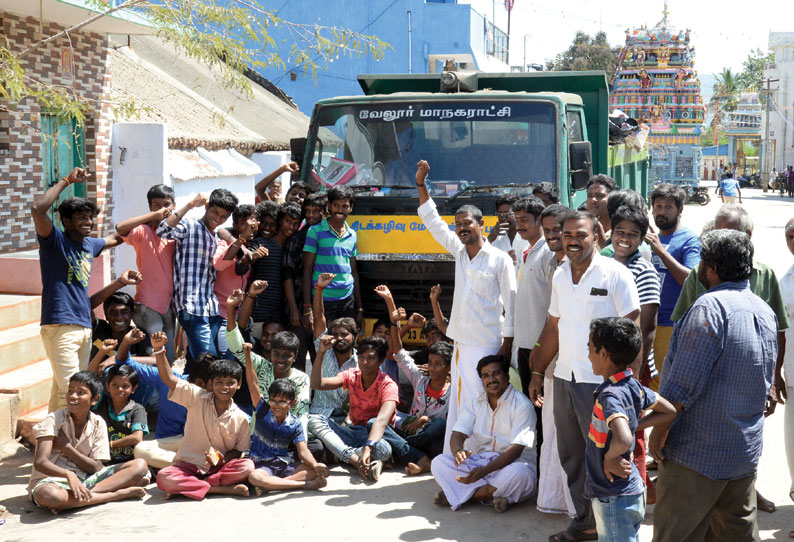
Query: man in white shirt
[
  {"x": 504, "y": 235},
  {"x": 586, "y": 286},
  {"x": 493, "y": 441},
  {"x": 481, "y": 322}
]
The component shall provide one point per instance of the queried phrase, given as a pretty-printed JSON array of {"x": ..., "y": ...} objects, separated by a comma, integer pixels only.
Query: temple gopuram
[{"x": 656, "y": 83}]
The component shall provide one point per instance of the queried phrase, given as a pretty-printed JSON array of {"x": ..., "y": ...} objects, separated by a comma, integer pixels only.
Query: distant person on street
[
  {"x": 481, "y": 322},
  {"x": 718, "y": 374},
  {"x": 790, "y": 181},
  {"x": 729, "y": 189}
]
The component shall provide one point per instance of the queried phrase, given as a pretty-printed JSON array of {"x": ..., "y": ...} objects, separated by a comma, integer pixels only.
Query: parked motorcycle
[{"x": 700, "y": 194}]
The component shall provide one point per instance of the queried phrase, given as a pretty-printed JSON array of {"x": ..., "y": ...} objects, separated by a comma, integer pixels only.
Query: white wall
[
  {"x": 144, "y": 148},
  {"x": 269, "y": 162},
  {"x": 185, "y": 191}
]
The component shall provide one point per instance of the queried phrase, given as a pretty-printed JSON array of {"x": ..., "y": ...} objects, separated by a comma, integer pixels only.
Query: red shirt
[{"x": 365, "y": 404}]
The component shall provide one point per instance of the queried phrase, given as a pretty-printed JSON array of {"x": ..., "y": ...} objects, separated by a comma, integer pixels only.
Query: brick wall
[{"x": 21, "y": 170}]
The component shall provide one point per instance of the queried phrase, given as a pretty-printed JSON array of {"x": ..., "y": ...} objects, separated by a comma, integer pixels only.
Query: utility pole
[{"x": 765, "y": 173}]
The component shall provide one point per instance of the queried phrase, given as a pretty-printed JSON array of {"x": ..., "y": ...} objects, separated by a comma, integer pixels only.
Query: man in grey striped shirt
[{"x": 481, "y": 322}]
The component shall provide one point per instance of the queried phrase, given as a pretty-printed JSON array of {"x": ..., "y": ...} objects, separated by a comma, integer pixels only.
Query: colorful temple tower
[{"x": 656, "y": 83}]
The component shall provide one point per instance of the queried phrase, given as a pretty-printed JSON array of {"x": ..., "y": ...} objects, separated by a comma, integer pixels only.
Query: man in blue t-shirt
[
  {"x": 66, "y": 258},
  {"x": 676, "y": 250},
  {"x": 729, "y": 189}
]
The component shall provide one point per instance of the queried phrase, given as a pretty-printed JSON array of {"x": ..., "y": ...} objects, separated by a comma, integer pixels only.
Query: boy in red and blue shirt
[{"x": 613, "y": 481}]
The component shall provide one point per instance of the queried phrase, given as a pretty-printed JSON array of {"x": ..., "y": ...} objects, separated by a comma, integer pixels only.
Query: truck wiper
[
  {"x": 363, "y": 187},
  {"x": 486, "y": 188}
]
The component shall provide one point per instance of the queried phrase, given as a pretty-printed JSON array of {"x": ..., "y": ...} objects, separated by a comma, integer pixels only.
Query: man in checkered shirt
[{"x": 195, "y": 303}]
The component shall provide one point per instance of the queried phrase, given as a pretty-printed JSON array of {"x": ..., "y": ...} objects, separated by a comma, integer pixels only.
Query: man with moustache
[
  {"x": 586, "y": 286},
  {"x": 718, "y": 374},
  {"x": 676, "y": 250},
  {"x": 481, "y": 322}
]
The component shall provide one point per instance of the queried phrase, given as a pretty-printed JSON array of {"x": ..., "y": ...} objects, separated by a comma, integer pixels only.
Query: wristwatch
[{"x": 371, "y": 444}]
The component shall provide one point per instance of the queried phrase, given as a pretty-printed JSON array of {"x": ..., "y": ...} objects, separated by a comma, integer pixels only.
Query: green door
[{"x": 63, "y": 147}]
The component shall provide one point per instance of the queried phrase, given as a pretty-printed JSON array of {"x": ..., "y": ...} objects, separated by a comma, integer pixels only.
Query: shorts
[
  {"x": 276, "y": 466},
  {"x": 102, "y": 474}
]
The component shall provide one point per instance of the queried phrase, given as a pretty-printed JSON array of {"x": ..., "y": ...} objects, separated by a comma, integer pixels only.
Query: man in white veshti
[{"x": 481, "y": 322}]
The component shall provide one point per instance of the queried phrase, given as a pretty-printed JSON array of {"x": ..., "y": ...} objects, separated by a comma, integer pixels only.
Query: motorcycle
[{"x": 700, "y": 194}]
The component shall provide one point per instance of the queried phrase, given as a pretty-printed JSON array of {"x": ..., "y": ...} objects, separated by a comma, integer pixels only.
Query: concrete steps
[{"x": 25, "y": 371}]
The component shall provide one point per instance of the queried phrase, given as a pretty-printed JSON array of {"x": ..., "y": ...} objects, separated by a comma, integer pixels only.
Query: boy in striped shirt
[
  {"x": 331, "y": 247},
  {"x": 613, "y": 482}
]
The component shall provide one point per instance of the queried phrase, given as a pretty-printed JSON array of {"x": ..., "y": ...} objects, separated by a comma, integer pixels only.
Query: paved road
[{"x": 397, "y": 508}]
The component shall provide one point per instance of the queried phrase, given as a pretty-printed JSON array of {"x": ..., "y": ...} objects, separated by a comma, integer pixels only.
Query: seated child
[
  {"x": 159, "y": 453},
  {"x": 419, "y": 437},
  {"x": 216, "y": 433},
  {"x": 373, "y": 403},
  {"x": 71, "y": 447},
  {"x": 613, "y": 482},
  {"x": 125, "y": 419},
  {"x": 282, "y": 349},
  {"x": 275, "y": 428}
]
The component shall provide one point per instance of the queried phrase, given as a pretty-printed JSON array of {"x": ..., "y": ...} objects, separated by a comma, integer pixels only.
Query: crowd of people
[{"x": 613, "y": 324}]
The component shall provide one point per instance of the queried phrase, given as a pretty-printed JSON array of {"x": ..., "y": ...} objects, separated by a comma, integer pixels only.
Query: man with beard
[
  {"x": 718, "y": 375},
  {"x": 485, "y": 289},
  {"x": 328, "y": 404},
  {"x": 586, "y": 286},
  {"x": 676, "y": 250}
]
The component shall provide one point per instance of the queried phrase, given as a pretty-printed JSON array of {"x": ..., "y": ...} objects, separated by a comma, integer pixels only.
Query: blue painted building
[{"x": 421, "y": 35}]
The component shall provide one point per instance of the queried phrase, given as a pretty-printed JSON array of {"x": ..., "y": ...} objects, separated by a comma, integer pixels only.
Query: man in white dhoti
[
  {"x": 481, "y": 322},
  {"x": 494, "y": 459}
]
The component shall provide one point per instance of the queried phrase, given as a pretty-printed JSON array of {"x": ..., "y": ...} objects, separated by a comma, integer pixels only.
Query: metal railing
[{"x": 497, "y": 43}]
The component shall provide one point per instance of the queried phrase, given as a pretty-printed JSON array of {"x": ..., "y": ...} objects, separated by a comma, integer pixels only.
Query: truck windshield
[{"x": 467, "y": 143}]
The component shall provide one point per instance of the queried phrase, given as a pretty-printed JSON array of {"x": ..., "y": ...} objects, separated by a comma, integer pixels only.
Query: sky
[{"x": 723, "y": 32}]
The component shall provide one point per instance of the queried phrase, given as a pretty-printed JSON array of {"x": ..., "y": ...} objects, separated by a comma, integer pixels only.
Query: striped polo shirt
[{"x": 333, "y": 255}]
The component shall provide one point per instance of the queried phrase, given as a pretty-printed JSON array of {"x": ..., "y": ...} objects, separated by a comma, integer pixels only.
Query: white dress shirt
[
  {"x": 493, "y": 430},
  {"x": 787, "y": 291},
  {"x": 485, "y": 286},
  {"x": 533, "y": 294},
  {"x": 518, "y": 246},
  {"x": 606, "y": 289}
]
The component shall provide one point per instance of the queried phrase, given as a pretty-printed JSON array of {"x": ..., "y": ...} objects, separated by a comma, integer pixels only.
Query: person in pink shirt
[
  {"x": 232, "y": 261},
  {"x": 154, "y": 257}
]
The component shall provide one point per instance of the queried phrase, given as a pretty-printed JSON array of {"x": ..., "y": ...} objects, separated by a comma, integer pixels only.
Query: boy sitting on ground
[
  {"x": 159, "y": 453},
  {"x": 283, "y": 349},
  {"x": 71, "y": 445},
  {"x": 613, "y": 481},
  {"x": 419, "y": 437},
  {"x": 373, "y": 403},
  {"x": 125, "y": 419},
  {"x": 275, "y": 428},
  {"x": 216, "y": 433}
]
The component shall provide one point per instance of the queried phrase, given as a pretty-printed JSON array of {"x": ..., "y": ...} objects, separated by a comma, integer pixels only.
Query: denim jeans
[
  {"x": 618, "y": 518},
  {"x": 412, "y": 448},
  {"x": 201, "y": 334},
  {"x": 345, "y": 440}
]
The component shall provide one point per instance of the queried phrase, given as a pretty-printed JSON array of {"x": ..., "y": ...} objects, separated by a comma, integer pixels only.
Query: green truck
[{"x": 483, "y": 134}]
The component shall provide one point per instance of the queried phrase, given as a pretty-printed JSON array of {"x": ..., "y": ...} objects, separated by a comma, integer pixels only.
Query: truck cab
[{"x": 482, "y": 134}]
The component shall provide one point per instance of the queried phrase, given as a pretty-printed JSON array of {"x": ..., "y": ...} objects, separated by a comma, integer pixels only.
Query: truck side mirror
[
  {"x": 297, "y": 148},
  {"x": 580, "y": 162}
]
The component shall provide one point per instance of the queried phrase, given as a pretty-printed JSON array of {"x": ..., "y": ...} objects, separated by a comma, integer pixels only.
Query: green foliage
[
  {"x": 229, "y": 38},
  {"x": 707, "y": 137},
  {"x": 587, "y": 53},
  {"x": 752, "y": 76}
]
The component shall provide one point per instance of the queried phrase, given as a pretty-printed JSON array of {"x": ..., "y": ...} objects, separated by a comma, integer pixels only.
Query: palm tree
[{"x": 727, "y": 89}]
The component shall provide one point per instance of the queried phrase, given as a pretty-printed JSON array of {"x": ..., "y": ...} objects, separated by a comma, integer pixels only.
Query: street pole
[
  {"x": 524, "y": 67},
  {"x": 765, "y": 173}
]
